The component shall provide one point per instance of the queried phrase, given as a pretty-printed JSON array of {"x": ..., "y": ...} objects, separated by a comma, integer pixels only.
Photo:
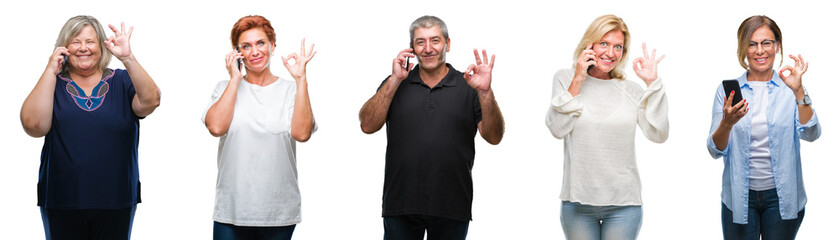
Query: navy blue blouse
[{"x": 89, "y": 159}]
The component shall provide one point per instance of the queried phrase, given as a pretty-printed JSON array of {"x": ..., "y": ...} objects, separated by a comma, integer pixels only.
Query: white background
[{"x": 517, "y": 183}]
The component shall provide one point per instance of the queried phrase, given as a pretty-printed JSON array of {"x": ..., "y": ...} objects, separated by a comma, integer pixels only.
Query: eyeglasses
[{"x": 765, "y": 44}]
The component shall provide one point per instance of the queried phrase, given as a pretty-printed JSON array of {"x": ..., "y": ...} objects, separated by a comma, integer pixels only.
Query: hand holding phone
[
  {"x": 233, "y": 64},
  {"x": 732, "y": 114},
  {"x": 585, "y": 61},
  {"x": 401, "y": 65}
]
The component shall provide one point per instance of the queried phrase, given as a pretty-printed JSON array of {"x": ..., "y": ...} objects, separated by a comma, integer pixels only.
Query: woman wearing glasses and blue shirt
[{"x": 758, "y": 138}]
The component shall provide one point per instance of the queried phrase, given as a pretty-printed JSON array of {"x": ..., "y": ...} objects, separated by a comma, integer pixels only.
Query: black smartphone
[
  {"x": 732, "y": 85},
  {"x": 408, "y": 59},
  {"x": 592, "y": 65},
  {"x": 238, "y": 61},
  {"x": 66, "y": 60}
]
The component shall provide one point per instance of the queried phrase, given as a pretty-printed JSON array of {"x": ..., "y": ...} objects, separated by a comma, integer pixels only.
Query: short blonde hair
[
  {"x": 744, "y": 36},
  {"x": 73, "y": 27},
  {"x": 596, "y": 31}
]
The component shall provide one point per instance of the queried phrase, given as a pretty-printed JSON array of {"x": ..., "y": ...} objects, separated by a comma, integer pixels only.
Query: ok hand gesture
[
  {"x": 479, "y": 75},
  {"x": 647, "y": 67},
  {"x": 793, "y": 78},
  {"x": 298, "y": 69},
  {"x": 118, "y": 44}
]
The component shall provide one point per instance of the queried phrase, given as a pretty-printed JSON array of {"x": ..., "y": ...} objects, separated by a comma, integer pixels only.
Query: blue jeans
[
  {"x": 764, "y": 219},
  {"x": 224, "y": 231},
  {"x": 413, "y": 227},
  {"x": 88, "y": 223},
  {"x": 586, "y": 222}
]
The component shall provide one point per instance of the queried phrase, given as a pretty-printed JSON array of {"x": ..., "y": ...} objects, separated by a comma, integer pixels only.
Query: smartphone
[
  {"x": 408, "y": 59},
  {"x": 238, "y": 61},
  {"x": 66, "y": 60},
  {"x": 593, "y": 61},
  {"x": 732, "y": 85}
]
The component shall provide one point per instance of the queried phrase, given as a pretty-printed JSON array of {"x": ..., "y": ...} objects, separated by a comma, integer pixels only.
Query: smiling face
[
  {"x": 607, "y": 52},
  {"x": 430, "y": 47},
  {"x": 84, "y": 50},
  {"x": 761, "y": 51},
  {"x": 256, "y": 48}
]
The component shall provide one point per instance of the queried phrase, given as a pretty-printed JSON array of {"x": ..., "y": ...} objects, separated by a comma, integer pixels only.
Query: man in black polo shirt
[{"x": 432, "y": 114}]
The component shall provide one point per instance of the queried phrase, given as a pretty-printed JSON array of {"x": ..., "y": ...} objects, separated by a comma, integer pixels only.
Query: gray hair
[
  {"x": 74, "y": 26},
  {"x": 427, "y": 22}
]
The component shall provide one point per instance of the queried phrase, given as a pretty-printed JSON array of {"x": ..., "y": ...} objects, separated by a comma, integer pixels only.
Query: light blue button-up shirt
[{"x": 784, "y": 148}]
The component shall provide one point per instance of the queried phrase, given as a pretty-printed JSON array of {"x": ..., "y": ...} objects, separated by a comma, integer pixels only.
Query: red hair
[{"x": 251, "y": 22}]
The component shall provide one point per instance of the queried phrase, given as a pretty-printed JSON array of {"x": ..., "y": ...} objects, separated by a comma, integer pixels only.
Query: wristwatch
[{"x": 806, "y": 101}]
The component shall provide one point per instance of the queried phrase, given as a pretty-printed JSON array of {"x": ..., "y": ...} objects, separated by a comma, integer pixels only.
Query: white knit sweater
[{"x": 598, "y": 127}]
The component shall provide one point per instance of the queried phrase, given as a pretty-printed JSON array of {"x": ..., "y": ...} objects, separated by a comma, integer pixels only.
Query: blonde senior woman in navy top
[
  {"x": 88, "y": 184},
  {"x": 758, "y": 138}
]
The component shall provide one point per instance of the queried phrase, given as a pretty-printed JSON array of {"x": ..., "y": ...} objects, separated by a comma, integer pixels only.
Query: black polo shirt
[{"x": 431, "y": 147}]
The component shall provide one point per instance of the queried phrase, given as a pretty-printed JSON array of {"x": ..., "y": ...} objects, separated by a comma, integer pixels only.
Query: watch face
[{"x": 805, "y": 101}]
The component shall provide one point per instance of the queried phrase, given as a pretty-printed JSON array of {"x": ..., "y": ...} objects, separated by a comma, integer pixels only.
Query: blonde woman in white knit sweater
[{"x": 594, "y": 109}]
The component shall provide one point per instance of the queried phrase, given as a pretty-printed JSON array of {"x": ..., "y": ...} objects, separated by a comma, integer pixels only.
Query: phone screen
[{"x": 732, "y": 85}]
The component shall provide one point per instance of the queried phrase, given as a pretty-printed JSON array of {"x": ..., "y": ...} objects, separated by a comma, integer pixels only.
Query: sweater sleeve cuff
[{"x": 653, "y": 94}]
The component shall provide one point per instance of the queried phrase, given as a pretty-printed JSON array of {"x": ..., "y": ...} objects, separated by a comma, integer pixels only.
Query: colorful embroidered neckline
[{"x": 97, "y": 95}]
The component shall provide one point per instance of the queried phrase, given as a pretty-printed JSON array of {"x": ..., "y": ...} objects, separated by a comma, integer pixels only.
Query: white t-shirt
[
  {"x": 598, "y": 128},
  {"x": 257, "y": 165},
  {"x": 760, "y": 169}
]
